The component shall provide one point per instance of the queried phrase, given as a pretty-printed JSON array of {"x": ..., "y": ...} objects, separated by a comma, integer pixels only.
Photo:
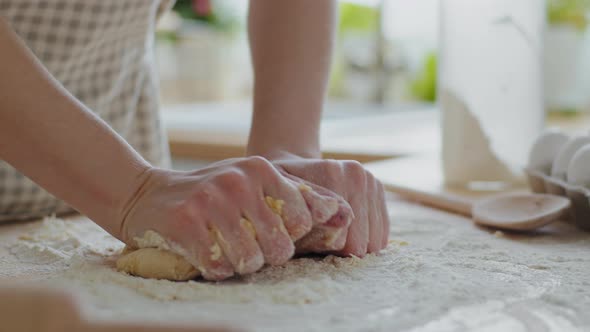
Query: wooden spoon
[{"x": 513, "y": 211}]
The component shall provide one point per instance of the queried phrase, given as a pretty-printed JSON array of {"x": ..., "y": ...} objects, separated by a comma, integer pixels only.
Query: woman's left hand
[{"x": 369, "y": 230}]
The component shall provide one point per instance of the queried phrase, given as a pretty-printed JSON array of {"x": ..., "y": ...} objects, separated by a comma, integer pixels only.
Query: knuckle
[
  {"x": 354, "y": 165},
  {"x": 331, "y": 171},
  {"x": 202, "y": 196},
  {"x": 356, "y": 173},
  {"x": 258, "y": 163},
  {"x": 233, "y": 180},
  {"x": 333, "y": 165}
]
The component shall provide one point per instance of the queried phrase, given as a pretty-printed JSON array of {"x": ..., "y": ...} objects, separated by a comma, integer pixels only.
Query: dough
[
  {"x": 154, "y": 260},
  {"x": 156, "y": 264}
]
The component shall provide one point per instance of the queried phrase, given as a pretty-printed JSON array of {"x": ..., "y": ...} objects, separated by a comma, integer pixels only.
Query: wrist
[
  {"x": 285, "y": 132},
  {"x": 113, "y": 219}
]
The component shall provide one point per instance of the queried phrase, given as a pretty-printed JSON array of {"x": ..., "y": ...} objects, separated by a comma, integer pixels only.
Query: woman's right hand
[{"x": 231, "y": 217}]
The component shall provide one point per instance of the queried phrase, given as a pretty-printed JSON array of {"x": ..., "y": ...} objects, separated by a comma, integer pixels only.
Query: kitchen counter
[{"x": 439, "y": 273}]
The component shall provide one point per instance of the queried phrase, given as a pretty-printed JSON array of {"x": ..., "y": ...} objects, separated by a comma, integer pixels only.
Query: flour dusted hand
[
  {"x": 369, "y": 229},
  {"x": 231, "y": 217}
]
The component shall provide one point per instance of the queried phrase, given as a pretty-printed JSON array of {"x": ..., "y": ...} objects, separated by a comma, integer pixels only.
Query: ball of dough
[{"x": 156, "y": 264}]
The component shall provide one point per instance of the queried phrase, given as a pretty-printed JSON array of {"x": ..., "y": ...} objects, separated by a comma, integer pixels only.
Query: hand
[
  {"x": 369, "y": 230},
  {"x": 231, "y": 217}
]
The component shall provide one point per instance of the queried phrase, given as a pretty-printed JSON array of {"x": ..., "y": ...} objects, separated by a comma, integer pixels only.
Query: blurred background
[
  {"x": 386, "y": 53},
  {"x": 382, "y": 94}
]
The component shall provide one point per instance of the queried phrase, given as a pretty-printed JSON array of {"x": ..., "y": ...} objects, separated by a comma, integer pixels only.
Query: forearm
[
  {"x": 52, "y": 138},
  {"x": 291, "y": 44}
]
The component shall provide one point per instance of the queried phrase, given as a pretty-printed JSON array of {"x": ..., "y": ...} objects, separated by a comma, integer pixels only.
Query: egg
[
  {"x": 545, "y": 149},
  {"x": 565, "y": 155},
  {"x": 578, "y": 171}
]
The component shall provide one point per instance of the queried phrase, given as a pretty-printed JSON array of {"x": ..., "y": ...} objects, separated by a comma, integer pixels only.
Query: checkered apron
[{"x": 102, "y": 52}]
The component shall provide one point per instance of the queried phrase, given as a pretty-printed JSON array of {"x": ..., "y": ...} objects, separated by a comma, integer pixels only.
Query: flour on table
[
  {"x": 301, "y": 281},
  {"x": 440, "y": 273}
]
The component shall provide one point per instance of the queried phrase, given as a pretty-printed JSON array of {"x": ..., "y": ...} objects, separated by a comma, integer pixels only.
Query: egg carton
[
  {"x": 560, "y": 165},
  {"x": 579, "y": 213}
]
